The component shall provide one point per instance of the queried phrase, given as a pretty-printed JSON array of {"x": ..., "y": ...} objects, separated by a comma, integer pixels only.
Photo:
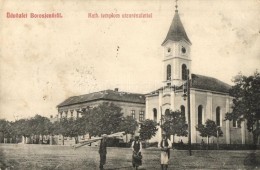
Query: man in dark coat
[{"x": 103, "y": 151}]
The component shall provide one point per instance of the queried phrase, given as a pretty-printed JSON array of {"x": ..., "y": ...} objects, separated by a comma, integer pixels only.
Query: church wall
[
  {"x": 249, "y": 137},
  {"x": 200, "y": 99},
  {"x": 235, "y": 135},
  {"x": 210, "y": 102},
  {"x": 220, "y": 101},
  {"x": 180, "y": 101},
  {"x": 153, "y": 103}
]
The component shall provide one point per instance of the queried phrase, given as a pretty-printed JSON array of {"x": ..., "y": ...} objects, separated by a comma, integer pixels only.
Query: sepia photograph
[{"x": 123, "y": 85}]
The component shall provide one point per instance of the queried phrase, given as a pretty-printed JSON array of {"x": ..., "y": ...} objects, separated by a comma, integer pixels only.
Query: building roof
[
  {"x": 209, "y": 83},
  {"x": 176, "y": 31},
  {"x": 203, "y": 83},
  {"x": 112, "y": 95}
]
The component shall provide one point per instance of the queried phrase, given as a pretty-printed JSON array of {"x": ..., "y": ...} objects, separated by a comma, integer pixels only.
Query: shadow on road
[
  {"x": 252, "y": 160},
  {"x": 125, "y": 168},
  {"x": 6, "y": 164}
]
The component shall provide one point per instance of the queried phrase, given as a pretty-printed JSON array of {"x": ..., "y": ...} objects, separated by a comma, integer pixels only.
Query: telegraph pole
[{"x": 188, "y": 103}]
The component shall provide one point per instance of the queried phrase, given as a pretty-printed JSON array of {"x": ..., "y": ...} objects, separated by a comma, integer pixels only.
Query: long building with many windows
[{"x": 132, "y": 104}]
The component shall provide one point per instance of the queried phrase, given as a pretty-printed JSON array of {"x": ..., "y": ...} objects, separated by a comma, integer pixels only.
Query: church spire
[
  {"x": 176, "y": 31},
  {"x": 176, "y": 6}
]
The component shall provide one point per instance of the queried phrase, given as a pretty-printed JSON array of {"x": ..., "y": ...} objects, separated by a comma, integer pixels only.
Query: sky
[{"x": 45, "y": 61}]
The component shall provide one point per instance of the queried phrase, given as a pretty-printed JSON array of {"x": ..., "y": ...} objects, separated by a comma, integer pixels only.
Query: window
[
  {"x": 184, "y": 72},
  {"x": 71, "y": 113},
  {"x": 141, "y": 116},
  {"x": 183, "y": 111},
  {"x": 155, "y": 115},
  {"x": 133, "y": 114},
  {"x": 167, "y": 112},
  {"x": 200, "y": 109},
  {"x": 234, "y": 123},
  {"x": 218, "y": 116},
  {"x": 168, "y": 72}
]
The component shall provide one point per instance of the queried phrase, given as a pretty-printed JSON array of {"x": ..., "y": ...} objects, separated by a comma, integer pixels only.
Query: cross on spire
[{"x": 176, "y": 6}]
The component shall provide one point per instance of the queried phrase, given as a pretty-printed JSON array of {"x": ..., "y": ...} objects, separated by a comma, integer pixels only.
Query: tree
[
  {"x": 75, "y": 128},
  {"x": 209, "y": 129},
  {"x": 128, "y": 125},
  {"x": 21, "y": 128},
  {"x": 40, "y": 125},
  {"x": 246, "y": 101},
  {"x": 5, "y": 128},
  {"x": 63, "y": 128},
  {"x": 175, "y": 124},
  {"x": 103, "y": 119},
  {"x": 148, "y": 129}
]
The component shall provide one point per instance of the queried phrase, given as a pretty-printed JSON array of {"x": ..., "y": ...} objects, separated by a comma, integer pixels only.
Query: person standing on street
[
  {"x": 103, "y": 151},
  {"x": 165, "y": 145},
  {"x": 137, "y": 156}
]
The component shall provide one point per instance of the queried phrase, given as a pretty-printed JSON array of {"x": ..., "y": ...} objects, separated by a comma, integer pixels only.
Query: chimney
[{"x": 116, "y": 89}]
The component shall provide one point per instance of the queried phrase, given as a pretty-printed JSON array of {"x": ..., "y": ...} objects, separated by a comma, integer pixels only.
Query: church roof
[
  {"x": 209, "y": 83},
  {"x": 176, "y": 31},
  {"x": 201, "y": 82},
  {"x": 112, "y": 95}
]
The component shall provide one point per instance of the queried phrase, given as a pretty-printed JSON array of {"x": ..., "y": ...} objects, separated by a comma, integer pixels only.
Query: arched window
[
  {"x": 155, "y": 115},
  {"x": 200, "y": 109},
  {"x": 168, "y": 72},
  {"x": 235, "y": 123},
  {"x": 167, "y": 112},
  {"x": 184, "y": 72},
  {"x": 218, "y": 116},
  {"x": 183, "y": 111}
]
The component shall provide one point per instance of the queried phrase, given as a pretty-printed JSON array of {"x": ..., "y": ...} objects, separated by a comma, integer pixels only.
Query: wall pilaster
[
  {"x": 208, "y": 113},
  {"x": 227, "y": 122},
  {"x": 193, "y": 117}
]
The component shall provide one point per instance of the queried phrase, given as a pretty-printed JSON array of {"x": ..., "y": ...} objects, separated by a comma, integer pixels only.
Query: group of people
[{"x": 165, "y": 145}]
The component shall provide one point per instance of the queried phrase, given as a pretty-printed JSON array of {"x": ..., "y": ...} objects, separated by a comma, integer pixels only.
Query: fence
[{"x": 180, "y": 146}]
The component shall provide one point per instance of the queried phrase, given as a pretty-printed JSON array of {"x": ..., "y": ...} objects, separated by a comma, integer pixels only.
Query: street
[{"x": 19, "y": 156}]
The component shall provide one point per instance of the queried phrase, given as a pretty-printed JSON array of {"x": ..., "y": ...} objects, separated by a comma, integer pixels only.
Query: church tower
[{"x": 176, "y": 53}]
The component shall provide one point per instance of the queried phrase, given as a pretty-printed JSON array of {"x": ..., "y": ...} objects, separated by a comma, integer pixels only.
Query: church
[{"x": 209, "y": 97}]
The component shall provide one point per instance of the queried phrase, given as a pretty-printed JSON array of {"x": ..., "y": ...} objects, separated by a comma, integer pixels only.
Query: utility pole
[
  {"x": 186, "y": 95},
  {"x": 188, "y": 103},
  {"x": 217, "y": 138}
]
